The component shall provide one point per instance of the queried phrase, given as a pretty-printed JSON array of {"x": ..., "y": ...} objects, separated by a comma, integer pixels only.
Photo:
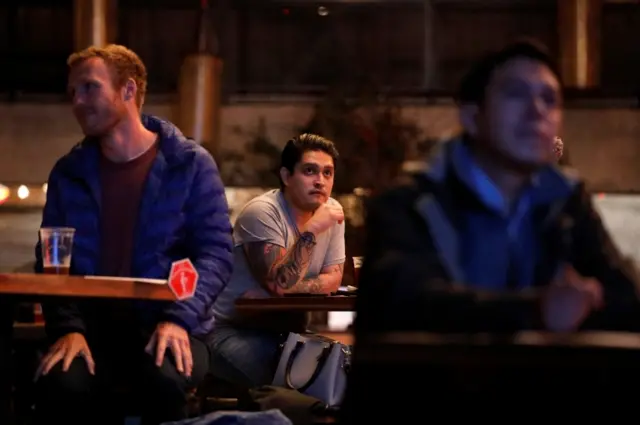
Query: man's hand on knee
[
  {"x": 66, "y": 349},
  {"x": 170, "y": 335}
]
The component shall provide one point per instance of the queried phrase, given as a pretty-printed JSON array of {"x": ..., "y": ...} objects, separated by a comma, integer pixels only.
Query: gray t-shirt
[{"x": 266, "y": 219}]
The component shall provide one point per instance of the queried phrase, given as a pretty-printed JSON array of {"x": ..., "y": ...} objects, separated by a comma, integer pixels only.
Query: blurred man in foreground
[{"x": 492, "y": 236}]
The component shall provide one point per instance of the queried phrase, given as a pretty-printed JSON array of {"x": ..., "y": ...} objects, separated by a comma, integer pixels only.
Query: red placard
[{"x": 183, "y": 279}]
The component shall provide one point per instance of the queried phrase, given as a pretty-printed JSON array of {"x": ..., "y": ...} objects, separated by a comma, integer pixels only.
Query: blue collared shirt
[{"x": 499, "y": 244}]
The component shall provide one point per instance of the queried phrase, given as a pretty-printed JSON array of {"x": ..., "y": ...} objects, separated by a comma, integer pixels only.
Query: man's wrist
[{"x": 175, "y": 320}]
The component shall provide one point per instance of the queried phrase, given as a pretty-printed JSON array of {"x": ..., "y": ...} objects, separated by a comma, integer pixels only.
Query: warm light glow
[
  {"x": 340, "y": 320},
  {"x": 323, "y": 11},
  {"x": 44, "y": 187},
  {"x": 4, "y": 193},
  {"x": 361, "y": 191},
  {"x": 23, "y": 192}
]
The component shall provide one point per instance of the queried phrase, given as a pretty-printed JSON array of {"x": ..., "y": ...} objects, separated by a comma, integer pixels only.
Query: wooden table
[
  {"x": 293, "y": 303},
  {"x": 499, "y": 350},
  {"x": 40, "y": 285},
  {"x": 618, "y": 340},
  {"x": 487, "y": 373}
]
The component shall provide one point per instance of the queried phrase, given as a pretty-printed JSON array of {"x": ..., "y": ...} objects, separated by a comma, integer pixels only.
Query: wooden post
[
  {"x": 430, "y": 65},
  {"x": 198, "y": 112},
  {"x": 199, "y": 87},
  {"x": 579, "y": 28},
  {"x": 95, "y": 23}
]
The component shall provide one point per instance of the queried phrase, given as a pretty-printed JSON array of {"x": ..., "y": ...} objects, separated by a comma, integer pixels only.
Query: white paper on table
[
  {"x": 129, "y": 279},
  {"x": 340, "y": 320}
]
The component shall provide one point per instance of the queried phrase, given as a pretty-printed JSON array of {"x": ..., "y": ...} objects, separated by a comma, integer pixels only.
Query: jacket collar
[
  {"x": 553, "y": 188},
  {"x": 83, "y": 160},
  {"x": 551, "y": 183}
]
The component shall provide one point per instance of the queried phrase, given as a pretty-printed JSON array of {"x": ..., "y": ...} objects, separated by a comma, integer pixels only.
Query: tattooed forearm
[
  {"x": 327, "y": 282},
  {"x": 293, "y": 266},
  {"x": 313, "y": 285},
  {"x": 277, "y": 268}
]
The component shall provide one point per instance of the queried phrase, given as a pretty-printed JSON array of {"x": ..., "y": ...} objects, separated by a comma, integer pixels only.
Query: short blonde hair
[{"x": 124, "y": 63}]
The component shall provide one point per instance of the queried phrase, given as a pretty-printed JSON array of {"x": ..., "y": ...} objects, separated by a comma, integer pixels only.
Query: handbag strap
[{"x": 322, "y": 359}]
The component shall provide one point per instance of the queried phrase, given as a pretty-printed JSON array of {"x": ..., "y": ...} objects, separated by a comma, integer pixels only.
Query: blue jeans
[{"x": 245, "y": 358}]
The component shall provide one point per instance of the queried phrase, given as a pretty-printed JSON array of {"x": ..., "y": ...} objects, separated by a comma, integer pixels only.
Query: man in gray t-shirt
[
  {"x": 286, "y": 241},
  {"x": 265, "y": 219}
]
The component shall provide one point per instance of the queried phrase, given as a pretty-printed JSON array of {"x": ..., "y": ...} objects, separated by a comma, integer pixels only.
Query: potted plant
[{"x": 373, "y": 137}]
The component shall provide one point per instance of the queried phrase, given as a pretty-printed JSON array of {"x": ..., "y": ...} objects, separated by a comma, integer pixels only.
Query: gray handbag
[{"x": 315, "y": 366}]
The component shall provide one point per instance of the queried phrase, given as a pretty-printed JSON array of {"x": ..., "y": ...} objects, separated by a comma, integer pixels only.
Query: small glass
[
  {"x": 357, "y": 263},
  {"x": 57, "y": 244}
]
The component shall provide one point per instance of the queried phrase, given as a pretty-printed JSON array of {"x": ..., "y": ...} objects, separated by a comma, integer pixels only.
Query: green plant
[
  {"x": 372, "y": 136},
  {"x": 256, "y": 164}
]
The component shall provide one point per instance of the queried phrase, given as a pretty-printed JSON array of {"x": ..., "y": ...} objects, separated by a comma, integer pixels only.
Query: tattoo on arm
[
  {"x": 328, "y": 281},
  {"x": 277, "y": 268},
  {"x": 313, "y": 285}
]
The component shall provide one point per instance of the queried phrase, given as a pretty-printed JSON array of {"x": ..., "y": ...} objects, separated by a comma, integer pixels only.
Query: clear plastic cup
[
  {"x": 357, "y": 263},
  {"x": 57, "y": 244}
]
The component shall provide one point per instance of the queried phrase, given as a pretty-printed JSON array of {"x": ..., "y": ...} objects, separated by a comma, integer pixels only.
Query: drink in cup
[
  {"x": 37, "y": 313},
  {"x": 57, "y": 243},
  {"x": 357, "y": 263}
]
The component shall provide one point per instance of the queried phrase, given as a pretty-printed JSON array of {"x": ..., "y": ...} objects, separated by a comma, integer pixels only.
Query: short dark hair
[
  {"x": 474, "y": 85},
  {"x": 296, "y": 147}
]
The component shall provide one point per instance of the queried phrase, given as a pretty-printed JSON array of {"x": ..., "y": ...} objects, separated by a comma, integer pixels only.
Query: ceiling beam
[
  {"x": 400, "y": 2},
  {"x": 445, "y": 2}
]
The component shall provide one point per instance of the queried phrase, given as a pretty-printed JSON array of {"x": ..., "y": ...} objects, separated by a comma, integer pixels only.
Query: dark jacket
[
  {"x": 183, "y": 214},
  {"x": 411, "y": 279}
]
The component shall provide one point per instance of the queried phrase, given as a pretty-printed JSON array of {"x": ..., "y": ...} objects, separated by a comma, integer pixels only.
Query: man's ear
[
  {"x": 284, "y": 176},
  {"x": 469, "y": 118},
  {"x": 130, "y": 89}
]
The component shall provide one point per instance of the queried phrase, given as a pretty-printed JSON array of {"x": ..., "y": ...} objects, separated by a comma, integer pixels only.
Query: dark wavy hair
[{"x": 296, "y": 147}]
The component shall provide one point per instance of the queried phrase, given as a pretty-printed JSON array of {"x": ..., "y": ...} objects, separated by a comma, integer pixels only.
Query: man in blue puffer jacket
[{"x": 139, "y": 196}]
